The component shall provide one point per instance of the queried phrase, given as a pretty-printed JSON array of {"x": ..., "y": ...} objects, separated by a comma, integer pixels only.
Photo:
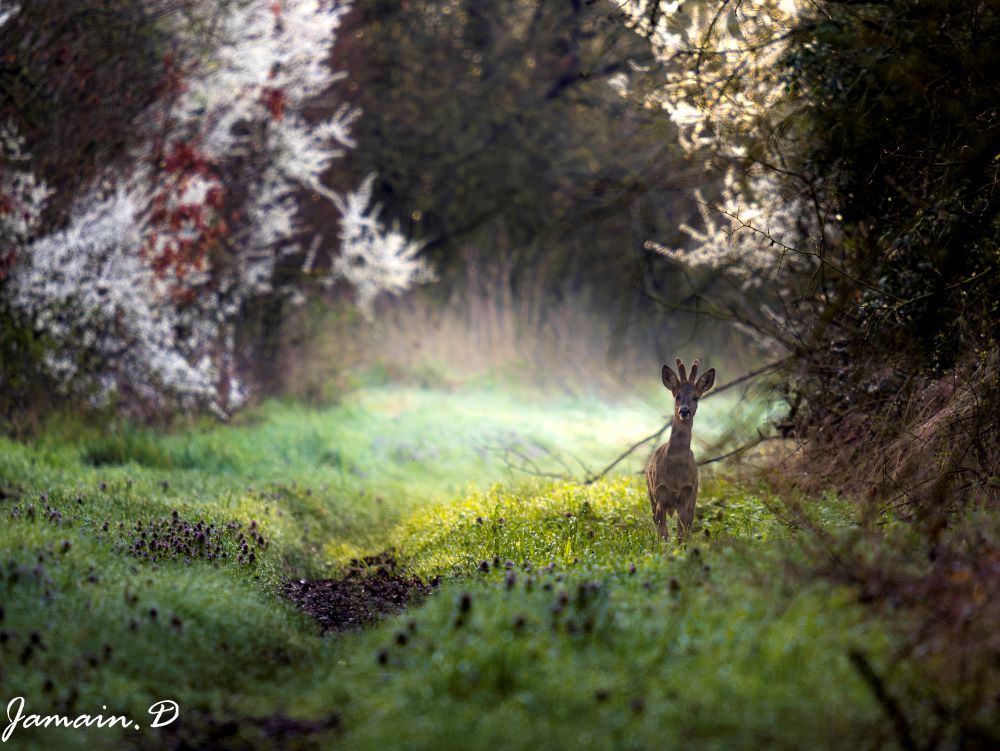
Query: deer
[{"x": 672, "y": 473}]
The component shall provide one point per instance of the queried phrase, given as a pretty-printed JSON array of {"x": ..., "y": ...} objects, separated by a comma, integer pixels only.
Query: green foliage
[
  {"x": 902, "y": 125},
  {"x": 703, "y": 647},
  {"x": 561, "y": 523},
  {"x": 24, "y": 389}
]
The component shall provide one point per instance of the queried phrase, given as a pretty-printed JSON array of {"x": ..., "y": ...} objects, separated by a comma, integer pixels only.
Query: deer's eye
[{"x": 695, "y": 399}]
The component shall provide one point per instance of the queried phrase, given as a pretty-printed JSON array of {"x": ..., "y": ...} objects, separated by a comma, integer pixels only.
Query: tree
[
  {"x": 138, "y": 292},
  {"x": 859, "y": 139},
  {"x": 502, "y": 132}
]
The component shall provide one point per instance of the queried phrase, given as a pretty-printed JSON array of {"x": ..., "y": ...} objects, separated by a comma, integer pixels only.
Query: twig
[
  {"x": 886, "y": 700},
  {"x": 653, "y": 436},
  {"x": 656, "y": 436},
  {"x": 518, "y": 457},
  {"x": 743, "y": 224},
  {"x": 740, "y": 450},
  {"x": 746, "y": 377}
]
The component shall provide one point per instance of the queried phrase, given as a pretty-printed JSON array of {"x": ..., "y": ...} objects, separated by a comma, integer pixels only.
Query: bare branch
[{"x": 656, "y": 436}]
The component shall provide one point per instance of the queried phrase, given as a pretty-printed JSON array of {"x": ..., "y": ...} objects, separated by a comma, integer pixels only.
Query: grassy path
[{"x": 561, "y": 621}]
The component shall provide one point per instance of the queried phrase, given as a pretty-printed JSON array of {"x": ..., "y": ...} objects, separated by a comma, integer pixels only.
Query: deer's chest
[{"x": 673, "y": 468}]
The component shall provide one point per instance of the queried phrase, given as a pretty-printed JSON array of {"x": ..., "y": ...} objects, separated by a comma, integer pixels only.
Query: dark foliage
[
  {"x": 898, "y": 391},
  {"x": 75, "y": 75},
  {"x": 495, "y": 135},
  {"x": 901, "y": 123},
  {"x": 903, "y": 118}
]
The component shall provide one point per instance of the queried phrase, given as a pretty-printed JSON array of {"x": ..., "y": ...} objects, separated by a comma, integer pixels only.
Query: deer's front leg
[
  {"x": 685, "y": 511},
  {"x": 661, "y": 507}
]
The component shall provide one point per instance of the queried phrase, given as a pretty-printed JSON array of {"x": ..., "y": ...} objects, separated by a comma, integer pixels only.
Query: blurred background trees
[
  {"x": 190, "y": 186},
  {"x": 498, "y": 128},
  {"x": 510, "y": 136}
]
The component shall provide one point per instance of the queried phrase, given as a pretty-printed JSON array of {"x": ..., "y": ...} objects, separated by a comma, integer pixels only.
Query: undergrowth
[{"x": 560, "y": 619}]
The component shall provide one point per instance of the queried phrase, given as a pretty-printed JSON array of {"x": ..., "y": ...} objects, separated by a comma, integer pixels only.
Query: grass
[{"x": 583, "y": 630}]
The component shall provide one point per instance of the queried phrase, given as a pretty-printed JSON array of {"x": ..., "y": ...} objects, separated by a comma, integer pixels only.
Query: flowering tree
[
  {"x": 22, "y": 196},
  {"x": 767, "y": 223},
  {"x": 139, "y": 294}
]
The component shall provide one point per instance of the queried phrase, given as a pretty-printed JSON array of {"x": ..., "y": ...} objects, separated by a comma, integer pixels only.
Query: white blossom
[
  {"x": 22, "y": 195},
  {"x": 725, "y": 93},
  {"x": 373, "y": 258},
  {"x": 7, "y": 9},
  {"x": 751, "y": 233},
  {"x": 140, "y": 292},
  {"x": 110, "y": 318}
]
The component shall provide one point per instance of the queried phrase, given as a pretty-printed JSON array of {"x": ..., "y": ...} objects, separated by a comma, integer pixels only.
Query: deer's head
[{"x": 687, "y": 390}]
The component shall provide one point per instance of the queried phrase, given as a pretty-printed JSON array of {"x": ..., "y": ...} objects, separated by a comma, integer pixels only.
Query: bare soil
[{"x": 371, "y": 588}]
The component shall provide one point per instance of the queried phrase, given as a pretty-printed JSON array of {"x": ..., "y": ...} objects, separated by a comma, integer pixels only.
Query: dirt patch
[
  {"x": 10, "y": 491},
  {"x": 371, "y": 589},
  {"x": 197, "y": 730}
]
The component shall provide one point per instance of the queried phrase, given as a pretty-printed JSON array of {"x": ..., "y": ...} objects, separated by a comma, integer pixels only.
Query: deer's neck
[{"x": 680, "y": 437}]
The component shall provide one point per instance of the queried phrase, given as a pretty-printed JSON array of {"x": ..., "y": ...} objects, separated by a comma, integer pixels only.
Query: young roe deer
[{"x": 672, "y": 474}]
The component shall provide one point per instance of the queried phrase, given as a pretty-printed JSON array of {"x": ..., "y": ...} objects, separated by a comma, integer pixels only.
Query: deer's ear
[
  {"x": 670, "y": 379},
  {"x": 706, "y": 381}
]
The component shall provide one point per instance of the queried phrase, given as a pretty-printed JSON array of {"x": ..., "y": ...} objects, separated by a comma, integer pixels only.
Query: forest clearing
[
  {"x": 557, "y": 610},
  {"x": 499, "y": 374}
]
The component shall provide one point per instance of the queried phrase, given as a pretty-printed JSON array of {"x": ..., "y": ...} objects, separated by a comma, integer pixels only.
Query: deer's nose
[{"x": 685, "y": 412}]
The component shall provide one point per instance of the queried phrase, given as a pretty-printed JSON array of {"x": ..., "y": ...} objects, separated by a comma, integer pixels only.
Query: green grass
[{"x": 715, "y": 645}]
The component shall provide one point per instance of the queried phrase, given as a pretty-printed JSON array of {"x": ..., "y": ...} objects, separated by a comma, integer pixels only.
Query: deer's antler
[
  {"x": 694, "y": 371},
  {"x": 681, "y": 371}
]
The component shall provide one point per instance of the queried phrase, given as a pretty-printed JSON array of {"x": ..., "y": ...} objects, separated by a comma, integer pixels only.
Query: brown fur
[{"x": 672, "y": 473}]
